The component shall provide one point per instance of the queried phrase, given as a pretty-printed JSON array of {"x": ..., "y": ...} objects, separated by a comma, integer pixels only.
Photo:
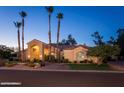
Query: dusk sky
[{"x": 81, "y": 22}]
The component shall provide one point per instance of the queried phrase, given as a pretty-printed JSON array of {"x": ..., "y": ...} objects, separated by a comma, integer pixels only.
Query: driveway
[
  {"x": 117, "y": 65},
  {"x": 56, "y": 66}
]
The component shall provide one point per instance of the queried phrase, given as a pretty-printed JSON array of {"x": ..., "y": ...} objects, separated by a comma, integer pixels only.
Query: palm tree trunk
[
  {"x": 58, "y": 56},
  {"x": 49, "y": 37},
  {"x": 19, "y": 52},
  {"x": 43, "y": 52},
  {"x": 23, "y": 56}
]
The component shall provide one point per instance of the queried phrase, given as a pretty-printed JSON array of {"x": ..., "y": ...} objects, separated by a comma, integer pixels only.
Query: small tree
[
  {"x": 98, "y": 39},
  {"x": 104, "y": 52},
  {"x": 69, "y": 41},
  {"x": 112, "y": 41},
  {"x": 120, "y": 40},
  {"x": 5, "y": 52}
]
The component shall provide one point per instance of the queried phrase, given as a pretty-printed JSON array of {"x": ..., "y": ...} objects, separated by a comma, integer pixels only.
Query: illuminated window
[{"x": 80, "y": 56}]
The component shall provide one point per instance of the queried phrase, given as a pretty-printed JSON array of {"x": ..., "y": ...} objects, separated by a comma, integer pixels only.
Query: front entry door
[{"x": 35, "y": 52}]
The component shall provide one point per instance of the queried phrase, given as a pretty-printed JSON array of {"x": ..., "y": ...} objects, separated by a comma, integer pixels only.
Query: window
[{"x": 80, "y": 56}]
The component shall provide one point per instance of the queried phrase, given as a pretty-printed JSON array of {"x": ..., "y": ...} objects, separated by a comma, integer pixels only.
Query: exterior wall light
[
  {"x": 28, "y": 56},
  {"x": 40, "y": 56}
]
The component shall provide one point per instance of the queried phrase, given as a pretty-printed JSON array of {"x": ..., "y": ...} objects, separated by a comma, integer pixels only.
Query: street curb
[{"x": 51, "y": 70}]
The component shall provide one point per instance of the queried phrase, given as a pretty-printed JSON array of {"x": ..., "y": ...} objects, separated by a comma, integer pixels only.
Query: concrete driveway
[
  {"x": 56, "y": 66},
  {"x": 117, "y": 65}
]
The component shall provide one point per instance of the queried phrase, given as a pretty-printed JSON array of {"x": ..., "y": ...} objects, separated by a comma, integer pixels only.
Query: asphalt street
[{"x": 61, "y": 79}]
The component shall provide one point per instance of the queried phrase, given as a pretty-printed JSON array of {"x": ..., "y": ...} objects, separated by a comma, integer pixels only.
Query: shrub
[
  {"x": 66, "y": 61},
  {"x": 36, "y": 60},
  {"x": 63, "y": 60},
  {"x": 30, "y": 64},
  {"x": 5, "y": 52},
  {"x": 55, "y": 60},
  {"x": 42, "y": 64},
  {"x": 75, "y": 61},
  {"x": 10, "y": 59},
  {"x": 85, "y": 61},
  {"x": 2, "y": 63},
  {"x": 10, "y": 64},
  {"x": 90, "y": 61},
  {"x": 49, "y": 58},
  {"x": 81, "y": 61},
  {"x": 46, "y": 58},
  {"x": 52, "y": 58},
  {"x": 28, "y": 60},
  {"x": 104, "y": 52}
]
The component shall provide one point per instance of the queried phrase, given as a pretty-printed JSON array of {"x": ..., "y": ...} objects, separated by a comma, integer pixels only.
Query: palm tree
[
  {"x": 18, "y": 25},
  {"x": 23, "y": 15},
  {"x": 59, "y": 16},
  {"x": 50, "y": 10}
]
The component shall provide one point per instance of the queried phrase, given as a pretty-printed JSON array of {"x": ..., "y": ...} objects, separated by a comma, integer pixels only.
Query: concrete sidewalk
[{"x": 51, "y": 69}]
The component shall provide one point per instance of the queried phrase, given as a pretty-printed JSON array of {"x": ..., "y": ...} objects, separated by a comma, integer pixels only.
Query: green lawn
[{"x": 89, "y": 67}]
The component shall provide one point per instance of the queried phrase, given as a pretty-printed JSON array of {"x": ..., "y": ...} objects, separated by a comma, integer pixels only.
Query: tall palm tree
[
  {"x": 59, "y": 16},
  {"x": 18, "y": 25},
  {"x": 23, "y": 15},
  {"x": 50, "y": 10}
]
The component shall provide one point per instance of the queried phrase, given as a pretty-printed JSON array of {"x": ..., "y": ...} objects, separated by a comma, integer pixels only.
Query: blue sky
[{"x": 81, "y": 22}]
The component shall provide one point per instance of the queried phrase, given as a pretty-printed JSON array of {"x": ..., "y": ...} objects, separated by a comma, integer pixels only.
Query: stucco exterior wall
[
  {"x": 80, "y": 49},
  {"x": 71, "y": 55}
]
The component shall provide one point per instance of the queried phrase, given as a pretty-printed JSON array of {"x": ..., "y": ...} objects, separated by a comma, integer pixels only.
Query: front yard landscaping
[
  {"x": 89, "y": 66},
  {"x": 70, "y": 66},
  {"x": 7, "y": 63},
  {"x": 10, "y": 63}
]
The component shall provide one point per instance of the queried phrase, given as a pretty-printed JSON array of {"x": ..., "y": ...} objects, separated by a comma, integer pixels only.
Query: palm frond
[
  {"x": 17, "y": 24},
  {"x": 23, "y": 14},
  {"x": 60, "y": 15},
  {"x": 49, "y": 9}
]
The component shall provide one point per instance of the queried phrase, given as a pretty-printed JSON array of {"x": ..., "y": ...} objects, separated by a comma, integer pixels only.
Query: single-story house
[{"x": 36, "y": 49}]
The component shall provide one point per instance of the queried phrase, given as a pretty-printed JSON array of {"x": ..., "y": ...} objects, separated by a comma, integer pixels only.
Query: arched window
[{"x": 80, "y": 56}]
